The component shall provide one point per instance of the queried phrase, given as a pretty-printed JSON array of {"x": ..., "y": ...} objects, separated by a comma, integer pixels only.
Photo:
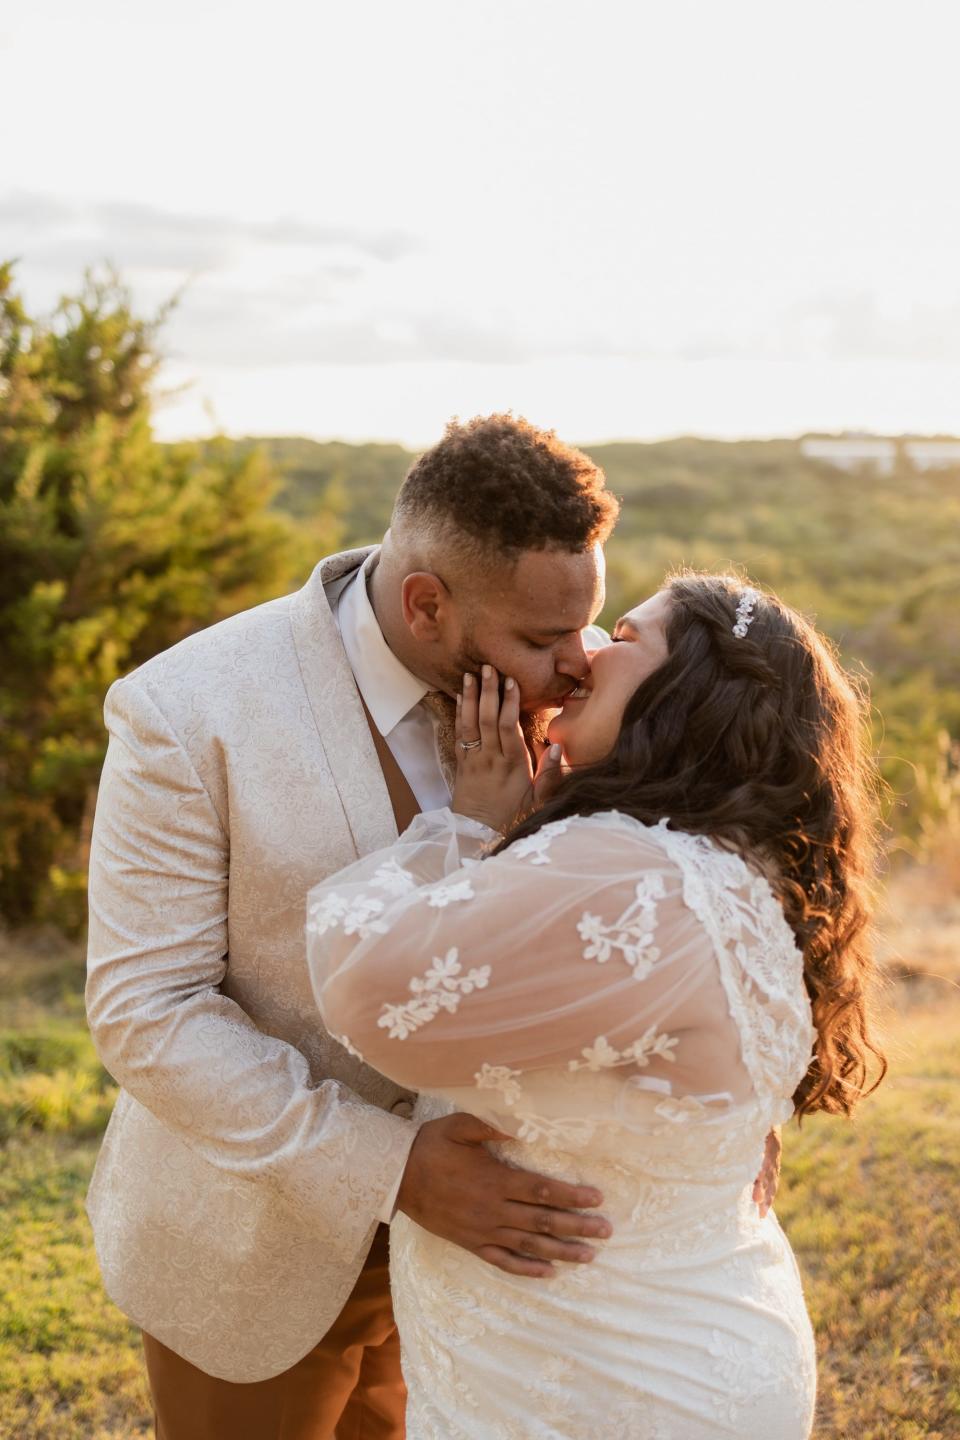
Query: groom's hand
[{"x": 513, "y": 1219}]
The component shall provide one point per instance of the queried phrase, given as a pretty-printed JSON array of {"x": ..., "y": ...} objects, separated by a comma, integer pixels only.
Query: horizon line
[{"x": 665, "y": 439}]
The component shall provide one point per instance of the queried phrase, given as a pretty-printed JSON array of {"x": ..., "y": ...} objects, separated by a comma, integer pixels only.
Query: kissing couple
[{"x": 445, "y": 951}]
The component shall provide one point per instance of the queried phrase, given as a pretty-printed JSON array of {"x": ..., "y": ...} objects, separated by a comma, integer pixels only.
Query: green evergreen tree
[{"x": 112, "y": 547}]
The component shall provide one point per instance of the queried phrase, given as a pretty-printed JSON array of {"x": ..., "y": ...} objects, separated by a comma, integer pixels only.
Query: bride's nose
[
  {"x": 596, "y": 665},
  {"x": 587, "y": 676}
]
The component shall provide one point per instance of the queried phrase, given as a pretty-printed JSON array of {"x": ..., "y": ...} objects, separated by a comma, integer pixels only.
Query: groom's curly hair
[
  {"x": 761, "y": 741},
  {"x": 508, "y": 487}
]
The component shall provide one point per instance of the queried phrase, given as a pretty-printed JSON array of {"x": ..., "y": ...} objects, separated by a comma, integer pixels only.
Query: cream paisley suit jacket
[{"x": 237, "y": 1190}]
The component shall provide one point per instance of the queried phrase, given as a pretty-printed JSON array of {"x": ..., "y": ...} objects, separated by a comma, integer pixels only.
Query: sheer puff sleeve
[{"x": 575, "y": 949}]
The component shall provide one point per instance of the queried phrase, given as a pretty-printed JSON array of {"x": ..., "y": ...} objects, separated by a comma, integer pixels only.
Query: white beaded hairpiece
[{"x": 745, "y": 615}]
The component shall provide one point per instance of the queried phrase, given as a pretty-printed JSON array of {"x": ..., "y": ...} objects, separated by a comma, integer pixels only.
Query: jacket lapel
[{"x": 337, "y": 708}]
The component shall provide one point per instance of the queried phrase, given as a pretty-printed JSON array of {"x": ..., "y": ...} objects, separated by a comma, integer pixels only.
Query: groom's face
[{"x": 526, "y": 620}]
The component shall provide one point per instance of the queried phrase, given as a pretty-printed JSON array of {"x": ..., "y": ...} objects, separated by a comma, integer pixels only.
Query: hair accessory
[{"x": 745, "y": 615}]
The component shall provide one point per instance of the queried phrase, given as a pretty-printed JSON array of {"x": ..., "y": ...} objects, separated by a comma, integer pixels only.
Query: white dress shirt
[{"x": 391, "y": 693}]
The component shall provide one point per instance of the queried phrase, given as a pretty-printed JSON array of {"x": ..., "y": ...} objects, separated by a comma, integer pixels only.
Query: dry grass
[
  {"x": 70, "y": 1367},
  {"x": 871, "y": 1206},
  {"x": 920, "y": 929}
]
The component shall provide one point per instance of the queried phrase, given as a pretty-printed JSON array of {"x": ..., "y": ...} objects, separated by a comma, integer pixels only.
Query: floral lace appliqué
[
  {"x": 680, "y": 1110},
  {"x": 601, "y": 1055},
  {"x": 355, "y": 915},
  {"x": 744, "y": 1374},
  {"x": 448, "y": 890},
  {"x": 632, "y": 934},
  {"x": 441, "y": 988},
  {"x": 350, "y": 1048},
  {"x": 536, "y": 845},
  {"x": 392, "y": 877},
  {"x": 558, "y": 1132},
  {"x": 500, "y": 1078},
  {"x": 760, "y": 965}
]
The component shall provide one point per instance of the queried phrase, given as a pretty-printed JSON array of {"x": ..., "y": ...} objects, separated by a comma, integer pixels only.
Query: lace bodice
[{"x": 597, "y": 972}]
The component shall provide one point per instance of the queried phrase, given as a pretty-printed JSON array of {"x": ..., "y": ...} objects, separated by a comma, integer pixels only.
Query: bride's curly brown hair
[{"x": 760, "y": 741}]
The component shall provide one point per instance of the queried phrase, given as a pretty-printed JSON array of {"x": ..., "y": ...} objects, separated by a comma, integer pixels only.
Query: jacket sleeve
[{"x": 158, "y": 954}]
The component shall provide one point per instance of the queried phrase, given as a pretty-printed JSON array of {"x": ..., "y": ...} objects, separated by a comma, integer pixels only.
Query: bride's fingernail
[
  {"x": 459, "y": 698},
  {"x": 467, "y": 680},
  {"x": 554, "y": 752},
  {"x": 508, "y": 684},
  {"x": 486, "y": 672}
]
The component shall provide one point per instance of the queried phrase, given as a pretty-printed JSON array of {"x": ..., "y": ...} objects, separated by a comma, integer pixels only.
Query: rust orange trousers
[{"x": 348, "y": 1387}]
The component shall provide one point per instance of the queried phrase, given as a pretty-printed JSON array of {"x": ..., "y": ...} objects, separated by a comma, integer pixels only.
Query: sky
[{"x": 620, "y": 220}]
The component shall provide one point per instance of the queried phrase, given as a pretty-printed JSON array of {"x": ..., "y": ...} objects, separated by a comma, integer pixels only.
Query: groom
[{"x": 239, "y": 1200}]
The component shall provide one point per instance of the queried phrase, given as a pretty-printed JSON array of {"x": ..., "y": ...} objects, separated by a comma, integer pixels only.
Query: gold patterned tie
[{"x": 444, "y": 713}]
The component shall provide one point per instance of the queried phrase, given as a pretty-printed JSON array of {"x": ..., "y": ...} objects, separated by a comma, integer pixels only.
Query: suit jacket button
[{"x": 403, "y": 1108}]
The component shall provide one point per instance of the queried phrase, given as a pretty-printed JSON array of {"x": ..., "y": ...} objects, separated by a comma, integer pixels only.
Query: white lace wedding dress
[{"x": 628, "y": 1002}]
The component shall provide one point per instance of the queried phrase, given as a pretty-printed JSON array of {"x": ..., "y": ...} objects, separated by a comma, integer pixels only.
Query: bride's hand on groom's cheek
[
  {"x": 495, "y": 774},
  {"x": 513, "y": 1219}
]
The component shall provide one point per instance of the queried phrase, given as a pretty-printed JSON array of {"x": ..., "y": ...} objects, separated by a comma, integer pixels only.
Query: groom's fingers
[
  {"x": 515, "y": 1264},
  {"x": 490, "y": 709},
  {"x": 545, "y": 1247},
  {"x": 514, "y": 1219},
  {"x": 467, "y": 725},
  {"x": 558, "y": 1224},
  {"x": 534, "y": 1200},
  {"x": 512, "y": 742},
  {"x": 538, "y": 1190}
]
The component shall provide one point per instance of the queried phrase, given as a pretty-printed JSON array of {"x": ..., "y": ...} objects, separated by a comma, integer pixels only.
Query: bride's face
[{"x": 589, "y": 722}]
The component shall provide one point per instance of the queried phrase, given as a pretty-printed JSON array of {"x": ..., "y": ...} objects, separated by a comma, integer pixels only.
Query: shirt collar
[{"x": 390, "y": 691}]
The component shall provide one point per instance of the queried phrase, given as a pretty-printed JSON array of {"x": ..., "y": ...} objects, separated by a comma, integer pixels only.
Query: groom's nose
[{"x": 571, "y": 658}]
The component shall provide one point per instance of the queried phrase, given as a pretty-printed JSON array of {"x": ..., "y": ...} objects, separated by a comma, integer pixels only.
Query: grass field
[{"x": 872, "y": 1207}]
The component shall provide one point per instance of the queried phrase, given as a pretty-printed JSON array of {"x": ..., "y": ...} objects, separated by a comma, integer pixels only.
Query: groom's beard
[{"x": 534, "y": 724}]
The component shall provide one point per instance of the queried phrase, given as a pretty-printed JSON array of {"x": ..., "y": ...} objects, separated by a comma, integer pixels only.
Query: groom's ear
[{"x": 426, "y": 603}]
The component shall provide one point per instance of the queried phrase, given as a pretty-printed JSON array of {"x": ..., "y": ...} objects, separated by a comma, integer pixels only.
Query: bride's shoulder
[
  {"x": 579, "y": 838},
  {"x": 606, "y": 833}
]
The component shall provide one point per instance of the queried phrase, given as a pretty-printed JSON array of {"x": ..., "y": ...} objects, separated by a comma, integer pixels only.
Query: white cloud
[
  {"x": 141, "y": 236},
  {"x": 860, "y": 327}
]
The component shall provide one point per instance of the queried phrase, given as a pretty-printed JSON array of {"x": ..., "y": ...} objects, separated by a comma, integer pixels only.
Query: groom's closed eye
[{"x": 547, "y": 638}]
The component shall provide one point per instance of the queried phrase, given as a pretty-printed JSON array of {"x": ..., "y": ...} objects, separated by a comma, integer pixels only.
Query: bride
[{"x": 633, "y": 982}]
